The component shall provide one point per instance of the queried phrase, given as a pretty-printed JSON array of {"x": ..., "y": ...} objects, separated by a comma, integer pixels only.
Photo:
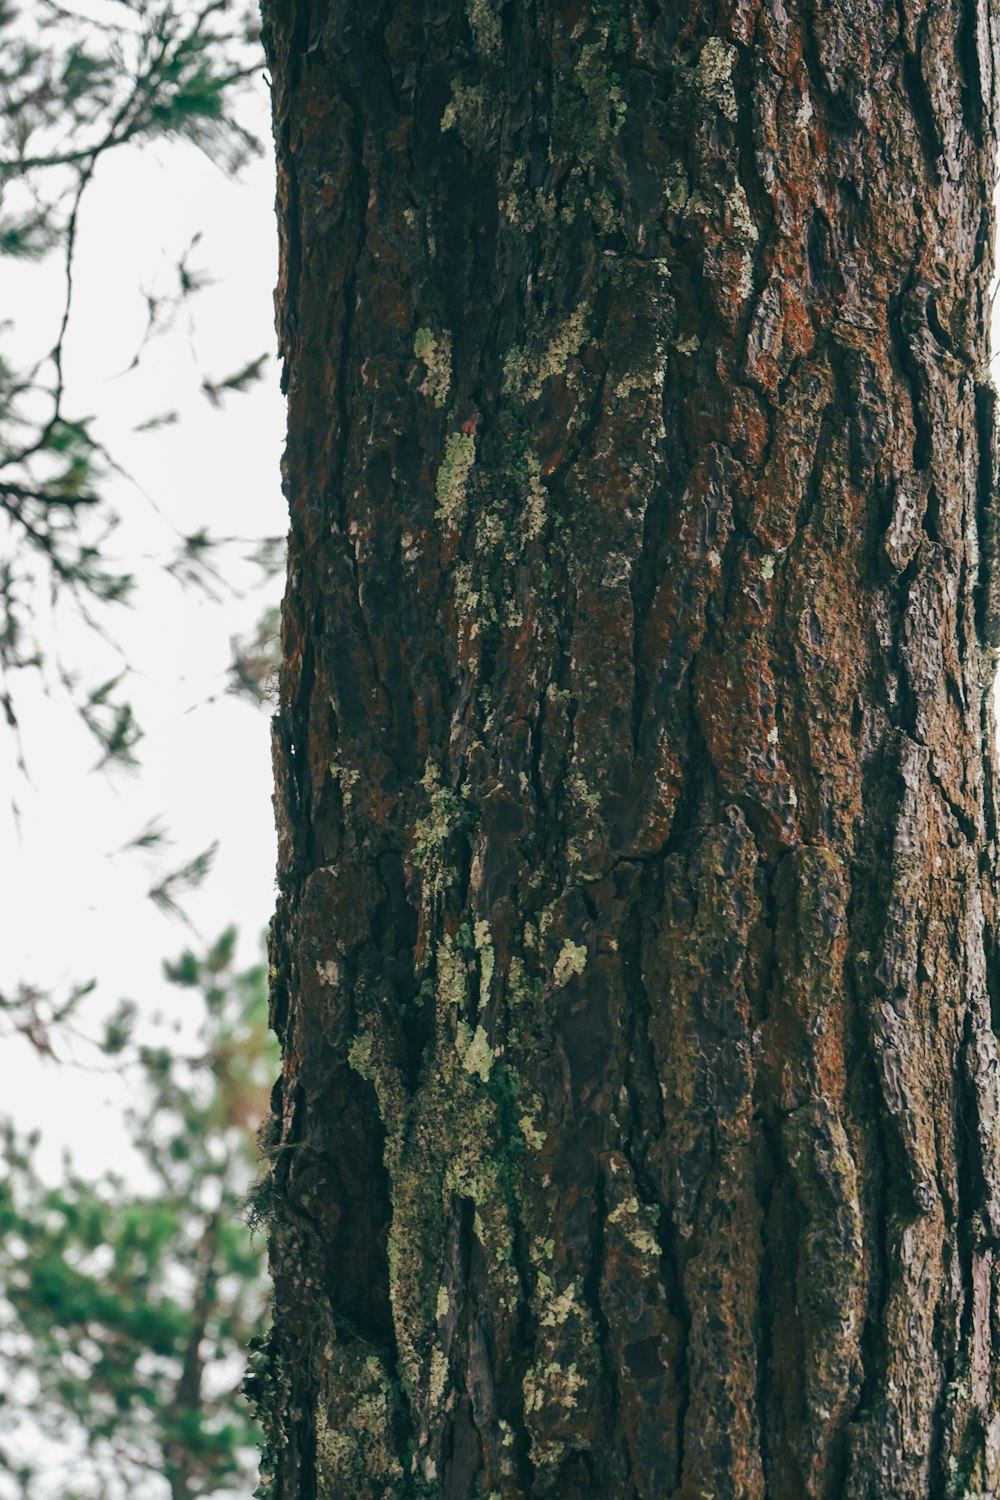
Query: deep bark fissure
[
  {"x": 919, "y": 95},
  {"x": 967, "y": 57},
  {"x": 914, "y": 376}
]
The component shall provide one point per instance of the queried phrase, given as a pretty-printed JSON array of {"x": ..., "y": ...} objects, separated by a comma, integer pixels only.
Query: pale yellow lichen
[
  {"x": 453, "y": 476},
  {"x": 535, "y": 498},
  {"x": 484, "y": 23},
  {"x": 572, "y": 960},
  {"x": 346, "y": 777},
  {"x": 634, "y": 1221},
  {"x": 676, "y": 187},
  {"x": 602, "y": 90},
  {"x": 524, "y": 375},
  {"x": 452, "y": 975},
  {"x": 472, "y": 110},
  {"x": 565, "y": 343},
  {"x": 714, "y": 75},
  {"x": 434, "y": 829},
  {"x": 474, "y": 1050},
  {"x": 438, "y": 1375},
  {"x": 356, "y": 1447},
  {"x": 558, "y": 1309},
  {"x": 436, "y": 355},
  {"x": 581, "y": 792},
  {"x": 359, "y": 1055},
  {"x": 487, "y": 961}
]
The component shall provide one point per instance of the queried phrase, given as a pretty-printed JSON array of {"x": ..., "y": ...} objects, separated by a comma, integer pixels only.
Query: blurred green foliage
[
  {"x": 78, "y": 82},
  {"x": 125, "y": 1312},
  {"x": 126, "y": 1303}
]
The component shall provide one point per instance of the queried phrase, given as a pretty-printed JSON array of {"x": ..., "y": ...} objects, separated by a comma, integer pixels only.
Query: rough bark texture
[{"x": 637, "y": 1134}]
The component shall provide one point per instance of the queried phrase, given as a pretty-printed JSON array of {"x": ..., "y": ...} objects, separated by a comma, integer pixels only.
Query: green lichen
[
  {"x": 741, "y": 223},
  {"x": 531, "y": 1110},
  {"x": 582, "y": 792},
  {"x": 603, "y": 210},
  {"x": 436, "y": 355},
  {"x": 484, "y": 23},
  {"x": 443, "y": 1143},
  {"x": 555, "y": 1386},
  {"x": 346, "y": 778},
  {"x": 510, "y": 512},
  {"x": 472, "y": 110},
  {"x": 535, "y": 1138},
  {"x": 558, "y": 1309},
  {"x": 635, "y": 1221},
  {"x": 474, "y": 1050},
  {"x": 521, "y": 990},
  {"x": 589, "y": 106},
  {"x": 552, "y": 1383},
  {"x": 676, "y": 187},
  {"x": 515, "y": 371},
  {"x": 534, "y": 496},
  {"x": 267, "y": 1388},
  {"x": 355, "y": 1447},
  {"x": 438, "y": 1376},
  {"x": 433, "y": 832},
  {"x": 453, "y": 477},
  {"x": 487, "y": 961},
  {"x": 469, "y": 599},
  {"x": 525, "y": 374},
  {"x": 639, "y": 385},
  {"x": 713, "y": 75},
  {"x": 359, "y": 1056},
  {"x": 601, "y": 88},
  {"x": 572, "y": 960},
  {"x": 722, "y": 203},
  {"x": 533, "y": 210}
]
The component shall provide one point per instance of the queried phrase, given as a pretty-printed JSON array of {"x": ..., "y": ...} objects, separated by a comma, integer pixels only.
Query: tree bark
[{"x": 635, "y": 961}]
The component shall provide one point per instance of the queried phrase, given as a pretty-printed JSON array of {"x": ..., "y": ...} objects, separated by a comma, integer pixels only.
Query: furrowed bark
[{"x": 635, "y": 960}]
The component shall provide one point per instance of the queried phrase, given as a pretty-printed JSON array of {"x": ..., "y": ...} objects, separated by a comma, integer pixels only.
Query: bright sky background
[{"x": 72, "y": 907}]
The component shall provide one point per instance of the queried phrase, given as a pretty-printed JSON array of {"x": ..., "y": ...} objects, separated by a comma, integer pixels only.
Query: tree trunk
[{"x": 637, "y": 1134}]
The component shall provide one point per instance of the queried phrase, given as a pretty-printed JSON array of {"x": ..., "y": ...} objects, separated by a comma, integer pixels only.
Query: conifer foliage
[
  {"x": 126, "y": 1312},
  {"x": 78, "y": 83},
  {"x": 126, "y": 1304}
]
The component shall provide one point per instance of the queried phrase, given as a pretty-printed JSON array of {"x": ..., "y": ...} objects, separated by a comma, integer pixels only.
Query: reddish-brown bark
[{"x": 635, "y": 953}]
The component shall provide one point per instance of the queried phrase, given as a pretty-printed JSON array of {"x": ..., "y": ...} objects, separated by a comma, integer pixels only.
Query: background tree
[
  {"x": 635, "y": 961},
  {"x": 125, "y": 1313},
  {"x": 75, "y": 86},
  {"x": 126, "y": 1310}
]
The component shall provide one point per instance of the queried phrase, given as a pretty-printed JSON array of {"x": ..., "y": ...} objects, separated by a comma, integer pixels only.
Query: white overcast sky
[{"x": 72, "y": 908}]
